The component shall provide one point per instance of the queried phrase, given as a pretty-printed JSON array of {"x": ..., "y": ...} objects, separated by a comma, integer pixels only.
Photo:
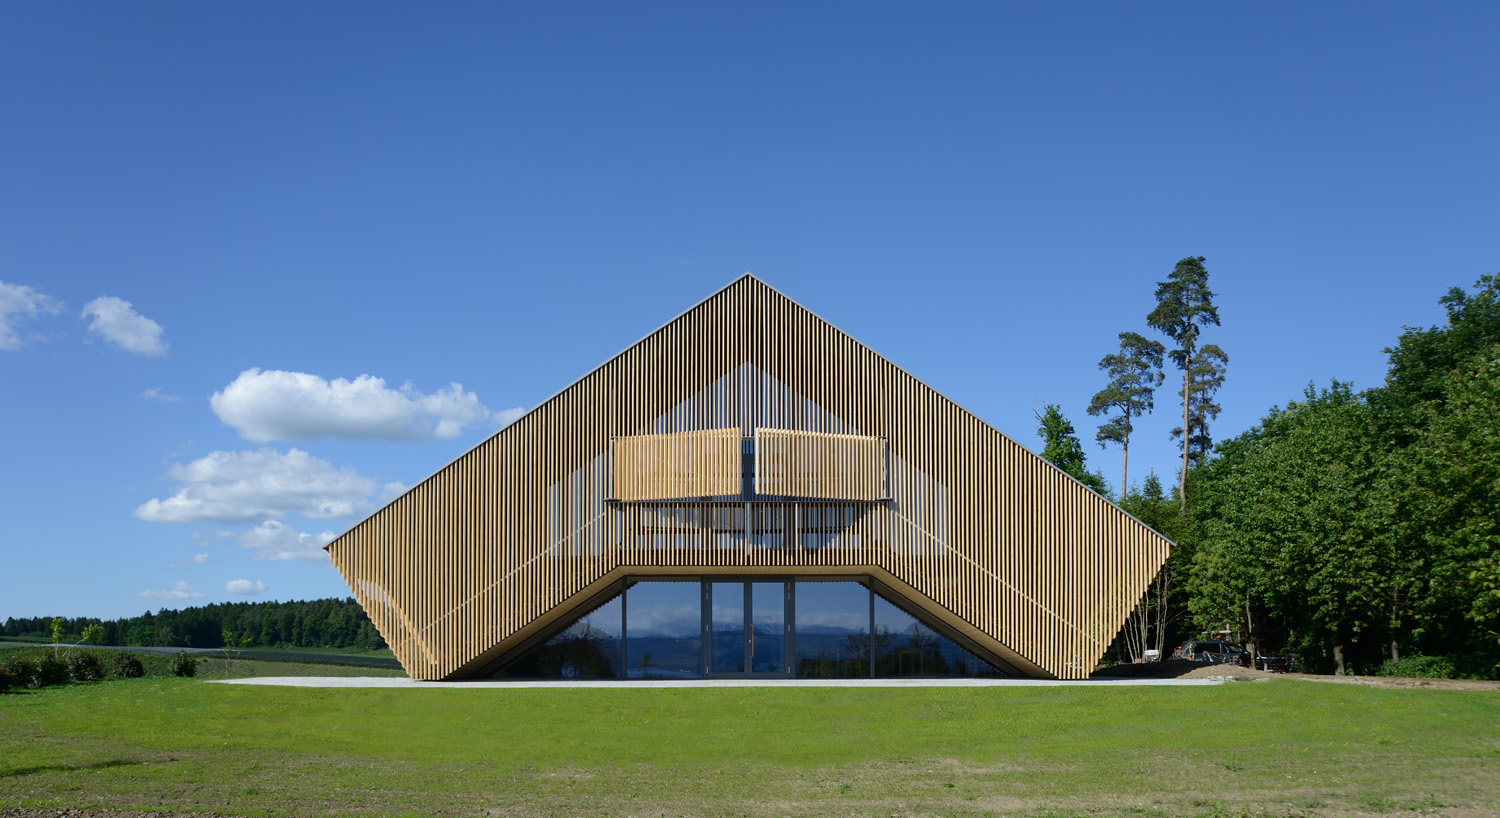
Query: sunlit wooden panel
[
  {"x": 677, "y": 466},
  {"x": 1035, "y": 571},
  {"x": 820, "y": 465}
]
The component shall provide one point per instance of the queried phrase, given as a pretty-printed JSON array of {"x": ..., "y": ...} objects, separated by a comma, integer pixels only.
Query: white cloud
[
  {"x": 155, "y": 393},
  {"x": 506, "y": 417},
  {"x": 273, "y": 540},
  {"x": 17, "y": 303},
  {"x": 197, "y": 559},
  {"x": 242, "y": 487},
  {"x": 275, "y": 405},
  {"x": 181, "y": 590},
  {"x": 114, "y": 320},
  {"x": 245, "y": 586},
  {"x": 390, "y": 492}
]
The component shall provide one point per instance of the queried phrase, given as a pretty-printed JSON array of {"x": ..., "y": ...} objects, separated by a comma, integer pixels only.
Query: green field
[
  {"x": 1279, "y": 748},
  {"x": 216, "y": 666}
]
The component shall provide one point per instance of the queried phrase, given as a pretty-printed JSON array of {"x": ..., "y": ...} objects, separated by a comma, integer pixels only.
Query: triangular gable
[{"x": 1030, "y": 567}]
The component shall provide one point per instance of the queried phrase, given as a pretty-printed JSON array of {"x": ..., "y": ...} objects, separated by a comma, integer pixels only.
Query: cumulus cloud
[
  {"x": 181, "y": 590},
  {"x": 274, "y": 540},
  {"x": 155, "y": 393},
  {"x": 506, "y": 417},
  {"x": 247, "y": 486},
  {"x": 245, "y": 586},
  {"x": 276, "y": 405},
  {"x": 114, "y": 320},
  {"x": 390, "y": 492},
  {"x": 19, "y": 302}
]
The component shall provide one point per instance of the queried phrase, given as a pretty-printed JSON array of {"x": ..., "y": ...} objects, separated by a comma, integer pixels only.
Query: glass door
[
  {"x": 766, "y": 650},
  {"x": 747, "y": 628},
  {"x": 726, "y": 616}
]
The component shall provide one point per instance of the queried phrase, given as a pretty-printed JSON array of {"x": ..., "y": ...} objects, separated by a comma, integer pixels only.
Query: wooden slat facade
[
  {"x": 1001, "y": 549},
  {"x": 793, "y": 463},
  {"x": 685, "y": 464}
]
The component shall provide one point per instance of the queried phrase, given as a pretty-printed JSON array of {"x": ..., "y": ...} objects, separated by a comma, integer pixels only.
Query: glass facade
[
  {"x": 759, "y": 628},
  {"x": 904, "y": 646},
  {"x": 832, "y": 630},
  {"x": 664, "y": 630},
  {"x": 587, "y": 649}
]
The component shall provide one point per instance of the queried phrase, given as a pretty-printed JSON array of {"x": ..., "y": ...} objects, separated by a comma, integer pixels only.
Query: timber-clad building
[{"x": 748, "y": 492}]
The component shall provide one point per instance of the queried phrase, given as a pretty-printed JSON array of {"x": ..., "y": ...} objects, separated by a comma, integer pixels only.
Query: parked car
[
  {"x": 1212, "y": 652},
  {"x": 1278, "y": 664}
]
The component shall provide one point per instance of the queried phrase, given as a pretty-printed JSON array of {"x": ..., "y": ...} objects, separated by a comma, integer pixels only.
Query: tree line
[
  {"x": 319, "y": 623},
  {"x": 1347, "y": 528}
]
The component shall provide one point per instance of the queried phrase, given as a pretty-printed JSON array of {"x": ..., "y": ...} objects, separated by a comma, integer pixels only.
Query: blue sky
[{"x": 458, "y": 210}]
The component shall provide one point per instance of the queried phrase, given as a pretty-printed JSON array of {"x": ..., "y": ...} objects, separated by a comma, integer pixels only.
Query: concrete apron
[{"x": 397, "y": 682}]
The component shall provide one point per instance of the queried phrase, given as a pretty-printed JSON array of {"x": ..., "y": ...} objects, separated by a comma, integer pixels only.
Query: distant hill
[{"x": 318, "y": 623}]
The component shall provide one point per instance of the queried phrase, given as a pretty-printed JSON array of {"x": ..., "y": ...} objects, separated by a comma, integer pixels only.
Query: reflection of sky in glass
[
  {"x": 728, "y": 600},
  {"x": 768, "y": 608},
  {"x": 908, "y": 634},
  {"x": 663, "y": 609},
  {"x": 888, "y": 616},
  {"x": 605, "y": 619},
  {"x": 663, "y": 630},
  {"x": 837, "y": 607}
]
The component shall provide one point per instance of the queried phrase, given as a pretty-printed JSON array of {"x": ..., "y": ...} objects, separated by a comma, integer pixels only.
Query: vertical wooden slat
[{"x": 637, "y": 466}]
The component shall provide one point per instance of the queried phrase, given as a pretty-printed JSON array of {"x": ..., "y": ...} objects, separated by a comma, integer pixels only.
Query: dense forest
[
  {"x": 320, "y": 623},
  {"x": 1349, "y": 529}
]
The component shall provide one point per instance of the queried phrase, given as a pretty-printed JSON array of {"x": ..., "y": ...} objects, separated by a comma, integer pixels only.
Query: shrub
[
  {"x": 7, "y": 681},
  {"x": 21, "y": 670},
  {"x": 128, "y": 666},
  {"x": 85, "y": 667},
  {"x": 50, "y": 671},
  {"x": 1420, "y": 667},
  {"x": 183, "y": 664}
]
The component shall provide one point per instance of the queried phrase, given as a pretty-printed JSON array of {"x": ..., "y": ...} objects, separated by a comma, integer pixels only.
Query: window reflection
[
  {"x": 587, "y": 649},
  {"x": 832, "y": 624},
  {"x": 835, "y": 635},
  {"x": 727, "y": 627},
  {"x": 906, "y": 647},
  {"x": 663, "y": 630}
]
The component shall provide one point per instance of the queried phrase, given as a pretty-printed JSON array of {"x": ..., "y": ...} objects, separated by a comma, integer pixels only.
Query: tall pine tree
[
  {"x": 1184, "y": 306},
  {"x": 1134, "y": 372}
]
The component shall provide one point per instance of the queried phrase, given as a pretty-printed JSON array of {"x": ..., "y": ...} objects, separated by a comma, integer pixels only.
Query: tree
[
  {"x": 232, "y": 640},
  {"x": 1155, "y": 617},
  {"x": 1184, "y": 305},
  {"x": 1204, "y": 379},
  {"x": 1287, "y": 532},
  {"x": 1447, "y": 486},
  {"x": 1061, "y": 448},
  {"x": 1134, "y": 372},
  {"x": 1438, "y": 422}
]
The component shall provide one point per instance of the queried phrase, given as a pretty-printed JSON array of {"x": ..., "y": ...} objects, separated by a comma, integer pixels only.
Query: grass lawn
[
  {"x": 212, "y": 665},
  {"x": 1279, "y": 748}
]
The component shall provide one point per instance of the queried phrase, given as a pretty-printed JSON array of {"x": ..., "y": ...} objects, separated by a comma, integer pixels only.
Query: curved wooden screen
[
  {"x": 792, "y": 463},
  {"x": 682, "y": 465},
  {"x": 995, "y": 544}
]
